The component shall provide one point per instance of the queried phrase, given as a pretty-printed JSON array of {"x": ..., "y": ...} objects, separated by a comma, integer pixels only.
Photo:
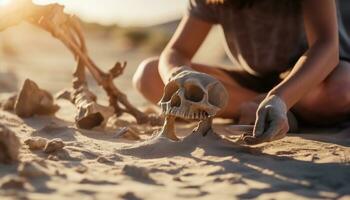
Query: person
[{"x": 292, "y": 55}]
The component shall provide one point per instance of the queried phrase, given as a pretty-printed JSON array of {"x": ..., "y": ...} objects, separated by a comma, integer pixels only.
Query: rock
[
  {"x": 54, "y": 145},
  {"x": 9, "y": 146},
  {"x": 36, "y": 143},
  {"x": 33, "y": 100},
  {"x": 138, "y": 173},
  {"x": 104, "y": 160},
  {"x": 81, "y": 169},
  {"x": 31, "y": 169},
  {"x": 12, "y": 182}
]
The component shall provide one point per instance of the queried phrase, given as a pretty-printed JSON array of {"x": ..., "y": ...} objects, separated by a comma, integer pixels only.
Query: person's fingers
[
  {"x": 277, "y": 129},
  {"x": 267, "y": 136},
  {"x": 282, "y": 133},
  {"x": 274, "y": 127},
  {"x": 260, "y": 122},
  {"x": 250, "y": 140}
]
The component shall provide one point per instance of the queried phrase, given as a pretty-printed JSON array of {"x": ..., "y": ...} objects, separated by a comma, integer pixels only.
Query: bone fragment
[{"x": 168, "y": 129}]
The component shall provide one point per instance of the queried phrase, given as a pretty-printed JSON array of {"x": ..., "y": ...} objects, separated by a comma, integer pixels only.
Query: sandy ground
[{"x": 314, "y": 164}]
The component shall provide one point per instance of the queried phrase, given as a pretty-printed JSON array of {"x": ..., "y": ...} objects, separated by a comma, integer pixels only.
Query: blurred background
[{"x": 115, "y": 30}]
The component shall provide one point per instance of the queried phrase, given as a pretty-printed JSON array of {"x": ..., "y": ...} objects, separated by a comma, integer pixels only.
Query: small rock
[
  {"x": 36, "y": 143},
  {"x": 130, "y": 196},
  {"x": 9, "y": 146},
  {"x": 32, "y": 100},
  {"x": 81, "y": 169},
  {"x": 54, "y": 145},
  {"x": 30, "y": 169},
  {"x": 53, "y": 158},
  {"x": 104, "y": 160},
  {"x": 138, "y": 173},
  {"x": 12, "y": 182}
]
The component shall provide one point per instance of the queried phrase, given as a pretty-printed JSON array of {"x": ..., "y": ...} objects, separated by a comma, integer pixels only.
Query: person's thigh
[
  {"x": 148, "y": 81},
  {"x": 330, "y": 101}
]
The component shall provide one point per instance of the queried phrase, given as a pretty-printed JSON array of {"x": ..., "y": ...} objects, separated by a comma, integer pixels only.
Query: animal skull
[{"x": 192, "y": 95}]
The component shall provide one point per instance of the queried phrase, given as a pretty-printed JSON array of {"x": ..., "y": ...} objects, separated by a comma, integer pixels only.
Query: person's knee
[
  {"x": 331, "y": 99},
  {"x": 337, "y": 95},
  {"x": 144, "y": 73}
]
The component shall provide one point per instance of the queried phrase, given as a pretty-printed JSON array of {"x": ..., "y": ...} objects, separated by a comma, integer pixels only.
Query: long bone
[{"x": 60, "y": 26}]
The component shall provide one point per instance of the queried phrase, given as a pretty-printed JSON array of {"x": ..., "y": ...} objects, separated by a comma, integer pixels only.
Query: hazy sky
[{"x": 125, "y": 12}]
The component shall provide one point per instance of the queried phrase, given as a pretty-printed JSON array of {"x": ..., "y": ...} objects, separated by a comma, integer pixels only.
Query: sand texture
[{"x": 90, "y": 165}]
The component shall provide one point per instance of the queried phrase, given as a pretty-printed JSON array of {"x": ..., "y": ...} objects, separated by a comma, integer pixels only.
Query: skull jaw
[
  {"x": 204, "y": 127},
  {"x": 168, "y": 129}
]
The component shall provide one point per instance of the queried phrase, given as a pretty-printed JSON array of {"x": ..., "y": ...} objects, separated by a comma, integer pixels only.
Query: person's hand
[{"x": 271, "y": 121}]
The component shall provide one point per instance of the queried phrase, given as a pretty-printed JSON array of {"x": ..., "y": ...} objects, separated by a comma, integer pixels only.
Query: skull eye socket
[
  {"x": 169, "y": 91},
  {"x": 216, "y": 95},
  {"x": 193, "y": 93}
]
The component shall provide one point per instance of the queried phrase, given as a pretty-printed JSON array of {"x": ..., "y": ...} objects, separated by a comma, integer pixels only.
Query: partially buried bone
[
  {"x": 67, "y": 29},
  {"x": 195, "y": 96},
  {"x": 9, "y": 146},
  {"x": 189, "y": 95},
  {"x": 32, "y": 100},
  {"x": 89, "y": 113}
]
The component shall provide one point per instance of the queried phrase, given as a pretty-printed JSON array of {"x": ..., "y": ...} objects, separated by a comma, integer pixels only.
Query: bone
[
  {"x": 32, "y": 100},
  {"x": 204, "y": 127},
  {"x": 89, "y": 113},
  {"x": 168, "y": 129},
  {"x": 67, "y": 30},
  {"x": 9, "y": 146},
  {"x": 198, "y": 96}
]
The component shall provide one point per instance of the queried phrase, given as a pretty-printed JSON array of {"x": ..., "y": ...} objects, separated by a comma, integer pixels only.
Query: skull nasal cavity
[
  {"x": 194, "y": 93},
  {"x": 175, "y": 101},
  {"x": 170, "y": 90}
]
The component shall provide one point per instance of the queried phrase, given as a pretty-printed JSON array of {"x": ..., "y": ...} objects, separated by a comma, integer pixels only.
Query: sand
[
  {"x": 313, "y": 164},
  {"x": 91, "y": 166}
]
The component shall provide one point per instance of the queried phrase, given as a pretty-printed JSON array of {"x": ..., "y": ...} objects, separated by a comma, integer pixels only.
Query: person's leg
[
  {"x": 148, "y": 82},
  {"x": 329, "y": 102}
]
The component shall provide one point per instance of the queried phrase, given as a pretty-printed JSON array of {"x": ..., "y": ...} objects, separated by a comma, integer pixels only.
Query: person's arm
[
  {"x": 184, "y": 44},
  {"x": 322, "y": 56},
  {"x": 312, "y": 68}
]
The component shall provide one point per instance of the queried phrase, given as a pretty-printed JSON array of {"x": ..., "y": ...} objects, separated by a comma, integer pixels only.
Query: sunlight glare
[{"x": 5, "y": 2}]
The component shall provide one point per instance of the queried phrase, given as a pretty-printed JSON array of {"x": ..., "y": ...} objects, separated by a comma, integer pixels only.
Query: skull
[{"x": 192, "y": 95}]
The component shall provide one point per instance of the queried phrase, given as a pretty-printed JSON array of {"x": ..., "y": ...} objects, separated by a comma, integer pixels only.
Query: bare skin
[
  {"x": 317, "y": 88},
  {"x": 329, "y": 102}
]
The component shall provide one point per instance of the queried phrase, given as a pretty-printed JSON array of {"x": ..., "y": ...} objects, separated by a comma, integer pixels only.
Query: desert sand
[{"x": 312, "y": 164}]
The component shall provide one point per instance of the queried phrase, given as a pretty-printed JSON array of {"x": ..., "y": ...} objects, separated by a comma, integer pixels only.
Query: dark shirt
[{"x": 263, "y": 38}]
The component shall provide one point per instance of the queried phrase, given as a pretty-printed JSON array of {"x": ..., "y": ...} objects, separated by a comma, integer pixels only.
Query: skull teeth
[{"x": 174, "y": 111}]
